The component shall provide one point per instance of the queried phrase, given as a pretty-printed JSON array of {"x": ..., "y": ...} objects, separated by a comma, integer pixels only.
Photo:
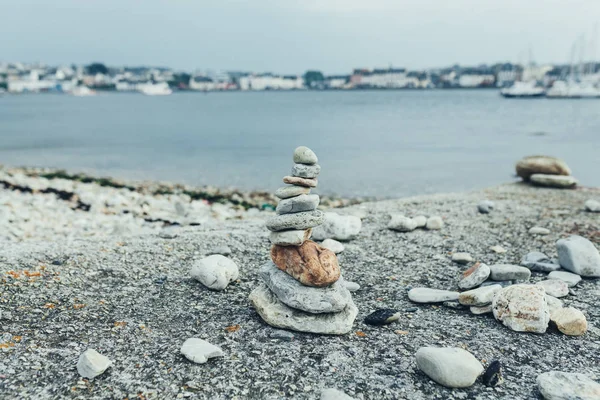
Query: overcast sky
[{"x": 289, "y": 36}]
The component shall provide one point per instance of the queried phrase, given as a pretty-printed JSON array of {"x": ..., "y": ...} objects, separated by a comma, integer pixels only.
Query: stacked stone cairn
[{"x": 302, "y": 287}]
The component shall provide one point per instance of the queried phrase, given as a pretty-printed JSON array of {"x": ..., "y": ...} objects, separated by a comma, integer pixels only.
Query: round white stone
[
  {"x": 401, "y": 223},
  {"x": 215, "y": 272},
  {"x": 333, "y": 245},
  {"x": 304, "y": 155},
  {"x": 91, "y": 364},
  {"x": 434, "y": 223},
  {"x": 451, "y": 366},
  {"x": 538, "y": 230},
  {"x": 592, "y": 205},
  {"x": 462, "y": 258}
]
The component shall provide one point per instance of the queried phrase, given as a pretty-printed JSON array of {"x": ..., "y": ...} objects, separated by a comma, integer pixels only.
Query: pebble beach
[{"x": 106, "y": 265}]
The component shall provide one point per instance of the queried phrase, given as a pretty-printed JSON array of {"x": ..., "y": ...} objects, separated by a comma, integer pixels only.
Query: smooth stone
[
  {"x": 333, "y": 245},
  {"x": 541, "y": 165},
  {"x": 401, "y": 223},
  {"x": 578, "y": 255},
  {"x": 509, "y": 272},
  {"x": 540, "y": 262},
  {"x": 555, "y": 287},
  {"x": 556, "y": 385},
  {"x": 215, "y": 272},
  {"x": 306, "y": 171},
  {"x": 569, "y": 278},
  {"x": 334, "y": 394},
  {"x": 522, "y": 308},
  {"x": 569, "y": 321},
  {"x": 305, "y": 182},
  {"x": 498, "y": 249},
  {"x": 553, "y": 303},
  {"x": 452, "y": 367},
  {"x": 199, "y": 351},
  {"x": 383, "y": 316},
  {"x": 303, "y": 202},
  {"x": 290, "y": 238},
  {"x": 538, "y": 230},
  {"x": 91, "y": 364},
  {"x": 485, "y": 206},
  {"x": 474, "y": 276},
  {"x": 434, "y": 223},
  {"x": 277, "y": 314},
  {"x": 501, "y": 283},
  {"x": 314, "y": 300},
  {"x": 493, "y": 374},
  {"x": 286, "y": 192},
  {"x": 479, "y": 297},
  {"x": 554, "y": 181},
  {"x": 310, "y": 264},
  {"x": 338, "y": 227},
  {"x": 222, "y": 250},
  {"x": 304, "y": 155},
  {"x": 420, "y": 220},
  {"x": 478, "y": 310},
  {"x": 282, "y": 335},
  {"x": 168, "y": 233},
  {"x": 592, "y": 206},
  {"x": 462, "y": 258},
  {"x": 352, "y": 286},
  {"x": 297, "y": 221},
  {"x": 427, "y": 295}
]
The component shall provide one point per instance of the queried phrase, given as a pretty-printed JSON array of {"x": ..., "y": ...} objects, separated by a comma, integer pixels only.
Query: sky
[{"x": 289, "y": 36}]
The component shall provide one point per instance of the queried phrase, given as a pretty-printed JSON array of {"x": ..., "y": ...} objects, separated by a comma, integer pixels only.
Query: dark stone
[
  {"x": 493, "y": 374},
  {"x": 57, "y": 262},
  {"x": 412, "y": 309},
  {"x": 382, "y": 316}
]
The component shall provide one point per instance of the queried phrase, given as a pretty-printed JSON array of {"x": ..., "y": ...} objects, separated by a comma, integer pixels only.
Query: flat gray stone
[
  {"x": 555, "y": 287},
  {"x": 540, "y": 262},
  {"x": 501, "y": 283},
  {"x": 479, "y": 297},
  {"x": 306, "y": 171},
  {"x": 569, "y": 278},
  {"x": 303, "y": 202},
  {"x": 538, "y": 230},
  {"x": 522, "y": 308},
  {"x": 452, "y": 367},
  {"x": 401, "y": 223},
  {"x": 277, "y": 314},
  {"x": 91, "y": 364},
  {"x": 304, "y": 155},
  {"x": 338, "y": 227},
  {"x": 314, "y": 300},
  {"x": 592, "y": 205},
  {"x": 478, "y": 310},
  {"x": 578, "y": 255},
  {"x": 297, "y": 221},
  {"x": 427, "y": 295},
  {"x": 509, "y": 272},
  {"x": 199, "y": 351},
  {"x": 333, "y": 245},
  {"x": 462, "y": 258},
  {"x": 485, "y": 206},
  {"x": 286, "y": 192},
  {"x": 290, "y": 238},
  {"x": 556, "y": 385},
  {"x": 474, "y": 276},
  {"x": 555, "y": 181}
]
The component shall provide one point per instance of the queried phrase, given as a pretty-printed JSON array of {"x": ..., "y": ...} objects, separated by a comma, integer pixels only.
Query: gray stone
[
  {"x": 555, "y": 181},
  {"x": 334, "y": 394},
  {"x": 462, "y": 258},
  {"x": 522, "y": 308},
  {"x": 592, "y": 205},
  {"x": 508, "y": 272},
  {"x": 479, "y": 297},
  {"x": 222, "y": 250},
  {"x": 474, "y": 276},
  {"x": 538, "y": 230},
  {"x": 501, "y": 283},
  {"x": 297, "y": 221},
  {"x": 338, "y": 227},
  {"x": 333, "y": 245},
  {"x": 282, "y": 335},
  {"x": 215, "y": 272},
  {"x": 290, "y": 238},
  {"x": 530, "y": 165},
  {"x": 537, "y": 261},
  {"x": 485, "y": 206},
  {"x": 303, "y": 202},
  {"x": 401, "y": 223},
  {"x": 451, "y": 366},
  {"x": 306, "y": 171},
  {"x": 578, "y": 255},
  {"x": 286, "y": 192},
  {"x": 277, "y": 314},
  {"x": 478, "y": 310},
  {"x": 314, "y": 300},
  {"x": 91, "y": 364},
  {"x": 352, "y": 286},
  {"x": 555, "y": 287},
  {"x": 569, "y": 278},
  {"x": 199, "y": 351},
  {"x": 170, "y": 232},
  {"x": 556, "y": 385},
  {"x": 304, "y": 155},
  {"x": 420, "y": 220},
  {"x": 427, "y": 295},
  {"x": 498, "y": 249},
  {"x": 434, "y": 223},
  {"x": 553, "y": 303}
]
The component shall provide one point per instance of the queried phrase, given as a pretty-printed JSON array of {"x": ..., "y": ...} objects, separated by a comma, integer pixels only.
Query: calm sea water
[{"x": 373, "y": 143}]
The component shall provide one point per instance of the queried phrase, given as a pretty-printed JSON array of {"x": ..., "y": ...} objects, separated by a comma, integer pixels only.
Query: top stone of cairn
[{"x": 304, "y": 155}]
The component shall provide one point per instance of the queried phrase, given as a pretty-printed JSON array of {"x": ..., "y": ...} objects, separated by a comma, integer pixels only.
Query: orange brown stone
[{"x": 310, "y": 264}]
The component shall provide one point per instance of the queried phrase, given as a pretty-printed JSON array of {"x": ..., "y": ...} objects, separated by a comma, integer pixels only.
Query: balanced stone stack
[{"x": 302, "y": 289}]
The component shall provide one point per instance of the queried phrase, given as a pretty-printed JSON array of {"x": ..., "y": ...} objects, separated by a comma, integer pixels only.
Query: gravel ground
[{"x": 131, "y": 298}]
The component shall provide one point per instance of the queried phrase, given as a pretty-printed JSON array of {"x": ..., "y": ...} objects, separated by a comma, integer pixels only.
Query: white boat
[
  {"x": 82, "y": 91},
  {"x": 155, "y": 89},
  {"x": 572, "y": 90},
  {"x": 523, "y": 89}
]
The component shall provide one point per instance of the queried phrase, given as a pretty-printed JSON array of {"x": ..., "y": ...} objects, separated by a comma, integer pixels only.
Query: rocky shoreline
[{"x": 115, "y": 277}]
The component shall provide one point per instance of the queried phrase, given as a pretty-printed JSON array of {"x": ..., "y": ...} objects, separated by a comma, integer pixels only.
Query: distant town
[{"x": 89, "y": 79}]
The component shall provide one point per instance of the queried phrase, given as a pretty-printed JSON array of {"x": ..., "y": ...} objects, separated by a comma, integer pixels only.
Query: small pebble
[
  {"x": 382, "y": 316},
  {"x": 474, "y": 276},
  {"x": 91, "y": 364},
  {"x": 401, "y": 223},
  {"x": 282, "y": 334},
  {"x": 592, "y": 205},
  {"x": 478, "y": 310},
  {"x": 434, "y": 223},
  {"x": 420, "y": 220},
  {"x": 485, "y": 206},
  {"x": 569, "y": 321},
  {"x": 304, "y": 155},
  {"x": 352, "y": 286},
  {"x": 479, "y": 297},
  {"x": 508, "y": 272},
  {"x": 452, "y": 367},
  {"x": 498, "y": 249},
  {"x": 537, "y": 230},
  {"x": 462, "y": 258},
  {"x": 493, "y": 374},
  {"x": 427, "y": 295},
  {"x": 333, "y": 245},
  {"x": 222, "y": 250},
  {"x": 199, "y": 351}
]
